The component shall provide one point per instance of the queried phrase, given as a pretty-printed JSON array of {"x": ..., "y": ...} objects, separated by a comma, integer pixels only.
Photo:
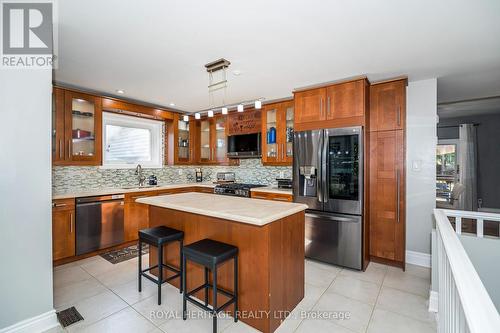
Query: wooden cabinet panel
[
  {"x": 244, "y": 122},
  {"x": 346, "y": 100},
  {"x": 136, "y": 216},
  {"x": 272, "y": 196},
  {"x": 310, "y": 106},
  {"x": 58, "y": 140},
  {"x": 387, "y": 195},
  {"x": 63, "y": 228},
  {"x": 388, "y": 106}
]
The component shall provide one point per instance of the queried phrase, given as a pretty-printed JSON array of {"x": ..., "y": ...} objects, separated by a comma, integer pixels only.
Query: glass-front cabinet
[
  {"x": 277, "y": 132},
  {"x": 184, "y": 151},
  {"x": 76, "y": 132},
  {"x": 206, "y": 139},
  {"x": 220, "y": 139}
]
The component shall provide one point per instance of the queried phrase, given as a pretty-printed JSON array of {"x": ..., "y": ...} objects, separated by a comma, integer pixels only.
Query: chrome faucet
[{"x": 140, "y": 177}]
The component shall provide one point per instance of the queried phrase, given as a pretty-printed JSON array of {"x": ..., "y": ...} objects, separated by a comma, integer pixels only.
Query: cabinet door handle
[
  {"x": 56, "y": 205},
  {"x": 280, "y": 199},
  {"x": 61, "y": 149},
  {"x": 399, "y": 115},
  {"x": 321, "y": 107},
  {"x": 282, "y": 151},
  {"x": 397, "y": 196},
  {"x": 70, "y": 223},
  {"x": 69, "y": 149},
  {"x": 328, "y": 107}
]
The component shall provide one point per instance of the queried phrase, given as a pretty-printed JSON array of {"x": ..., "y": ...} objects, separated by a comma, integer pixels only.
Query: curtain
[{"x": 467, "y": 163}]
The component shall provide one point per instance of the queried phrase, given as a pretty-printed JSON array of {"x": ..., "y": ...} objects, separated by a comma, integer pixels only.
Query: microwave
[{"x": 244, "y": 146}]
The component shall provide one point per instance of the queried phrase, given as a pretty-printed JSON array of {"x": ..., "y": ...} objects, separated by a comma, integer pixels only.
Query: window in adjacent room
[{"x": 128, "y": 141}]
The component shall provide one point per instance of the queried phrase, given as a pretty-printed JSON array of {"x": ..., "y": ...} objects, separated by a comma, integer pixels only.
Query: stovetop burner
[{"x": 235, "y": 189}]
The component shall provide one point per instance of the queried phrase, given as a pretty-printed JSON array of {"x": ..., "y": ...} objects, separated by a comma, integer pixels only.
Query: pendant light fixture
[
  {"x": 185, "y": 118},
  {"x": 197, "y": 115},
  {"x": 210, "y": 113},
  {"x": 240, "y": 107},
  {"x": 224, "y": 110},
  {"x": 258, "y": 104}
]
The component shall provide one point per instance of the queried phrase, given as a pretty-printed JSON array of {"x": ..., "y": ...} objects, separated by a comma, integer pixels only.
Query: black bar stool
[
  {"x": 158, "y": 236},
  {"x": 210, "y": 254}
]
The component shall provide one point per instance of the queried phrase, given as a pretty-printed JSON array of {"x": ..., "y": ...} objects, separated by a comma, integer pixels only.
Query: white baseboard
[
  {"x": 433, "y": 301},
  {"x": 39, "y": 323},
  {"x": 418, "y": 258}
]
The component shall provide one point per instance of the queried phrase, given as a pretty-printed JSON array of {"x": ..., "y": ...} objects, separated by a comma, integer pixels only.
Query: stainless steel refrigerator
[{"x": 328, "y": 177}]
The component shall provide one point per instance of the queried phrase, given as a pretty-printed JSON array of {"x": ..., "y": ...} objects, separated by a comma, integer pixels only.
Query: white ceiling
[
  {"x": 476, "y": 107},
  {"x": 155, "y": 50}
]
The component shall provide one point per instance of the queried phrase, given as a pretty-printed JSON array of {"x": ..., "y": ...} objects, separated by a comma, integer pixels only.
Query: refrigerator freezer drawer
[{"x": 334, "y": 238}]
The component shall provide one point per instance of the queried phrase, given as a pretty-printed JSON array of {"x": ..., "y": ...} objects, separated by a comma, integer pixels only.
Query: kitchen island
[{"x": 270, "y": 239}]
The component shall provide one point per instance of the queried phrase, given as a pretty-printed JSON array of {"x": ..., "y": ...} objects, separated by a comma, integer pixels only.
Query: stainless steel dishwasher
[{"x": 99, "y": 222}]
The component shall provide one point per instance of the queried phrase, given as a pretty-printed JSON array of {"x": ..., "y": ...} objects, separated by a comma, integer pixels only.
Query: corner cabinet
[
  {"x": 77, "y": 126},
  {"x": 63, "y": 228},
  {"x": 277, "y": 132}
]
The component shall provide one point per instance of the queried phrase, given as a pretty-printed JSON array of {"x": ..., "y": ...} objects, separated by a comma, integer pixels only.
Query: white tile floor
[{"x": 382, "y": 299}]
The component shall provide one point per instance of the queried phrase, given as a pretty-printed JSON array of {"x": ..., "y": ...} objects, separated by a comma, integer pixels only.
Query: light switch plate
[{"x": 416, "y": 165}]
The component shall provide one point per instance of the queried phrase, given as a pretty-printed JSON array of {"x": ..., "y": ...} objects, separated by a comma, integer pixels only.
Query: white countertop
[
  {"x": 245, "y": 210},
  {"x": 272, "y": 189},
  {"x": 108, "y": 191}
]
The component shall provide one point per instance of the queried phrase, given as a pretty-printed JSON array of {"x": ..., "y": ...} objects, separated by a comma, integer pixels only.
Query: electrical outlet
[
  {"x": 282, "y": 174},
  {"x": 180, "y": 172}
]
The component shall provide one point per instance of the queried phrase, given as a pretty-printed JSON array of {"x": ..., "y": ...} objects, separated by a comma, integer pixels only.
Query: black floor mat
[
  {"x": 69, "y": 316},
  {"x": 127, "y": 253}
]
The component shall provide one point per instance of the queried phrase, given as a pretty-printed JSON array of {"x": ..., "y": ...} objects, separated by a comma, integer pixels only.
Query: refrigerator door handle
[
  {"x": 324, "y": 169},
  {"x": 319, "y": 180},
  {"x": 332, "y": 218}
]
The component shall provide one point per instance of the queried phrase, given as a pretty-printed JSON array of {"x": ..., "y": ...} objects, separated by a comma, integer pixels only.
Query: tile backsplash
[{"x": 77, "y": 179}]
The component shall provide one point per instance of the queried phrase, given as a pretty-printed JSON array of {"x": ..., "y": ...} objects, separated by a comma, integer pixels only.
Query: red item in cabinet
[{"x": 80, "y": 134}]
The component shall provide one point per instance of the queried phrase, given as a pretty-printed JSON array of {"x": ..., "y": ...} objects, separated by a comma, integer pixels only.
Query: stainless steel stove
[{"x": 235, "y": 189}]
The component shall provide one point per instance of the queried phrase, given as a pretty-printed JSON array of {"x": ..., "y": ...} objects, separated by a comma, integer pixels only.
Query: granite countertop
[
  {"x": 108, "y": 191},
  {"x": 272, "y": 189},
  {"x": 245, "y": 210}
]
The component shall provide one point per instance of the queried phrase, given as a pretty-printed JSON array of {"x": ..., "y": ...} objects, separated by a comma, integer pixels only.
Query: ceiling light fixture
[
  {"x": 121, "y": 92},
  {"x": 224, "y": 110},
  {"x": 236, "y": 72},
  {"x": 258, "y": 104},
  {"x": 197, "y": 115},
  {"x": 240, "y": 107},
  {"x": 210, "y": 113},
  {"x": 185, "y": 118},
  {"x": 172, "y": 104}
]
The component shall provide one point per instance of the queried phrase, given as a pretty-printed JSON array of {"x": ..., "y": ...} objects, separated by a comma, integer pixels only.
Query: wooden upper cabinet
[
  {"x": 387, "y": 195},
  {"x": 63, "y": 228},
  {"x": 58, "y": 141},
  {"x": 220, "y": 141},
  {"x": 205, "y": 140},
  {"x": 310, "y": 106},
  {"x": 388, "y": 106},
  {"x": 83, "y": 127},
  {"x": 181, "y": 138},
  {"x": 346, "y": 100},
  {"x": 76, "y": 128},
  {"x": 277, "y": 132}
]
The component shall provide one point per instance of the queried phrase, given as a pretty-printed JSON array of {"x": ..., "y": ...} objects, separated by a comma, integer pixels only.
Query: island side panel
[
  {"x": 253, "y": 271},
  {"x": 286, "y": 257}
]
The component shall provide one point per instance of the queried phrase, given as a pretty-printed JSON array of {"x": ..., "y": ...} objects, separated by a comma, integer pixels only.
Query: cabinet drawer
[
  {"x": 272, "y": 196},
  {"x": 63, "y": 204}
]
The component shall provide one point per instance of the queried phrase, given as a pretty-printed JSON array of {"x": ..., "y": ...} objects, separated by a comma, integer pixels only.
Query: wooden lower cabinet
[
  {"x": 136, "y": 215},
  {"x": 387, "y": 197},
  {"x": 63, "y": 228},
  {"x": 272, "y": 196}
]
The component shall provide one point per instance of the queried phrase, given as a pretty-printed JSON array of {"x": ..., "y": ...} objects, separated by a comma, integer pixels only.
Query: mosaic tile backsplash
[{"x": 80, "y": 179}]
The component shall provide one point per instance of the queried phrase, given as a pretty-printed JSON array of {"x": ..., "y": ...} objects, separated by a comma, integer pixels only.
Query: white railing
[{"x": 464, "y": 303}]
